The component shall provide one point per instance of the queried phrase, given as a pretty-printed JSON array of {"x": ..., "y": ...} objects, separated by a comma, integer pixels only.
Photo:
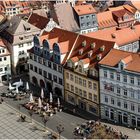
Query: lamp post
[
  {"x": 45, "y": 119},
  {"x": 31, "y": 115},
  {"x": 60, "y": 129}
]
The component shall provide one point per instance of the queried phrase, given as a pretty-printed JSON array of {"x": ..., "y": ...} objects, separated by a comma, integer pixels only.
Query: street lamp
[
  {"x": 31, "y": 114},
  {"x": 60, "y": 129}
]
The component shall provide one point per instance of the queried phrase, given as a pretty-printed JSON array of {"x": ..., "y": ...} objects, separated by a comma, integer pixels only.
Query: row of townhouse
[
  {"x": 85, "y": 18},
  {"x": 71, "y": 67}
]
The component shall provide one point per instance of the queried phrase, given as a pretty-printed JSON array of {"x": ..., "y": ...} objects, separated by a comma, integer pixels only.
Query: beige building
[{"x": 81, "y": 82}]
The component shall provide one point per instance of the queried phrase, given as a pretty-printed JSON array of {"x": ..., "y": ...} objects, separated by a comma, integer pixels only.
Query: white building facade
[
  {"x": 5, "y": 64},
  {"x": 43, "y": 71},
  {"x": 120, "y": 94}
]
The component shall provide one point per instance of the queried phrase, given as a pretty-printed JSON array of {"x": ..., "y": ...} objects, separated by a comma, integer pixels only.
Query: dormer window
[
  {"x": 102, "y": 48},
  {"x": 90, "y": 54},
  {"x": 99, "y": 56},
  {"x": 84, "y": 43},
  {"x": 81, "y": 52},
  {"x": 92, "y": 45}
]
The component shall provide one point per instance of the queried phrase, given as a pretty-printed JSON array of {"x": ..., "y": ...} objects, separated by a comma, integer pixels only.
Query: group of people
[
  {"x": 44, "y": 108},
  {"x": 96, "y": 130}
]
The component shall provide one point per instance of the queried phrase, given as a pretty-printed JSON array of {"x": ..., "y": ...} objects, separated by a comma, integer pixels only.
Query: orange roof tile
[
  {"x": 121, "y": 37},
  {"x": 92, "y": 60},
  {"x": 84, "y": 9},
  {"x": 105, "y": 20},
  {"x": 115, "y": 56}
]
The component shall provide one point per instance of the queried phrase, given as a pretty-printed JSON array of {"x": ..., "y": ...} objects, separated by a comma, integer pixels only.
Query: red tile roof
[
  {"x": 38, "y": 21},
  {"x": 96, "y": 50},
  {"x": 84, "y": 9},
  {"x": 115, "y": 56},
  {"x": 121, "y": 37}
]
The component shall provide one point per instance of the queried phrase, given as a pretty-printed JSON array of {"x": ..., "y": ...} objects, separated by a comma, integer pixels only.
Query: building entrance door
[
  {"x": 82, "y": 105},
  {"x": 120, "y": 117}
]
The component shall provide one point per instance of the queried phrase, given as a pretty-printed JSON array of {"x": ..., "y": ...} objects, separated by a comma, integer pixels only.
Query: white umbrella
[
  {"x": 17, "y": 91},
  {"x": 58, "y": 102},
  {"x": 51, "y": 99},
  {"x": 39, "y": 103},
  {"x": 31, "y": 98},
  {"x": 27, "y": 86},
  {"x": 42, "y": 93}
]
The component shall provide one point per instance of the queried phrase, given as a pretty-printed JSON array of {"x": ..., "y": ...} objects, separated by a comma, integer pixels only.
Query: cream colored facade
[{"x": 81, "y": 91}]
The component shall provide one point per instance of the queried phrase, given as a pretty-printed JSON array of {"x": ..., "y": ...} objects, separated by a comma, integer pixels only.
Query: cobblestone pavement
[
  {"x": 71, "y": 121},
  {"x": 12, "y": 128}
]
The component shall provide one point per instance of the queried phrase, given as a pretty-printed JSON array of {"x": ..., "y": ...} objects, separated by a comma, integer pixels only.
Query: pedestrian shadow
[{"x": 10, "y": 113}]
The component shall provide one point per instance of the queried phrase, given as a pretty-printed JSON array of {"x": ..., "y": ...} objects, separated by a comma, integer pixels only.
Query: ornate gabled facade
[
  {"x": 46, "y": 58},
  {"x": 81, "y": 73}
]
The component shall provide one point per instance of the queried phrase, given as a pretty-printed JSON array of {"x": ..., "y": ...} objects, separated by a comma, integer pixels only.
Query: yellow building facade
[{"x": 81, "y": 90}]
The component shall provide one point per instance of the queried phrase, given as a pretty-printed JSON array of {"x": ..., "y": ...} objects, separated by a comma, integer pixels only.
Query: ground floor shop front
[
  {"x": 82, "y": 103},
  {"x": 120, "y": 116}
]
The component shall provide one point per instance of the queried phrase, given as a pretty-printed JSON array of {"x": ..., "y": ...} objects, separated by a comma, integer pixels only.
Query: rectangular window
[
  {"x": 125, "y": 92},
  {"x": 106, "y": 99},
  {"x": 76, "y": 79},
  {"x": 80, "y": 92},
  {"x": 1, "y": 69},
  {"x": 84, "y": 94},
  {"x": 67, "y": 75},
  {"x": 125, "y": 78},
  {"x": 45, "y": 74},
  {"x": 118, "y": 103},
  {"x": 125, "y": 105},
  {"x": 84, "y": 83},
  {"x": 80, "y": 81},
  {"x": 55, "y": 78},
  {"x": 72, "y": 88},
  {"x": 118, "y": 77},
  {"x": 60, "y": 69},
  {"x": 90, "y": 96},
  {"x": 111, "y": 75},
  {"x": 76, "y": 90},
  {"x": 49, "y": 76},
  {"x": 60, "y": 81},
  {"x": 89, "y": 85},
  {"x": 105, "y": 74},
  {"x": 132, "y": 94},
  {"x": 71, "y": 77},
  {"x": 49, "y": 64},
  {"x": 0, "y": 59},
  {"x": 95, "y": 98},
  {"x": 92, "y": 109},
  {"x": 112, "y": 101},
  {"x": 94, "y": 86},
  {"x": 40, "y": 71},
  {"x": 31, "y": 67},
  {"x": 54, "y": 66},
  {"x": 112, "y": 88},
  {"x": 118, "y": 90},
  {"x": 132, "y": 107},
  {"x": 35, "y": 68},
  {"x": 5, "y": 68},
  {"x": 132, "y": 80}
]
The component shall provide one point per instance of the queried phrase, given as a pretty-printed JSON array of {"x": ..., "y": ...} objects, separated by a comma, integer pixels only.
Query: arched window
[
  {"x": 46, "y": 49},
  {"x": 36, "y": 41},
  {"x": 56, "y": 53}
]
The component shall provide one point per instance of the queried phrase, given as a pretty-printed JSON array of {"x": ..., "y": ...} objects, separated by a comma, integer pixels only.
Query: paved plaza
[
  {"x": 12, "y": 128},
  {"x": 9, "y": 126}
]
